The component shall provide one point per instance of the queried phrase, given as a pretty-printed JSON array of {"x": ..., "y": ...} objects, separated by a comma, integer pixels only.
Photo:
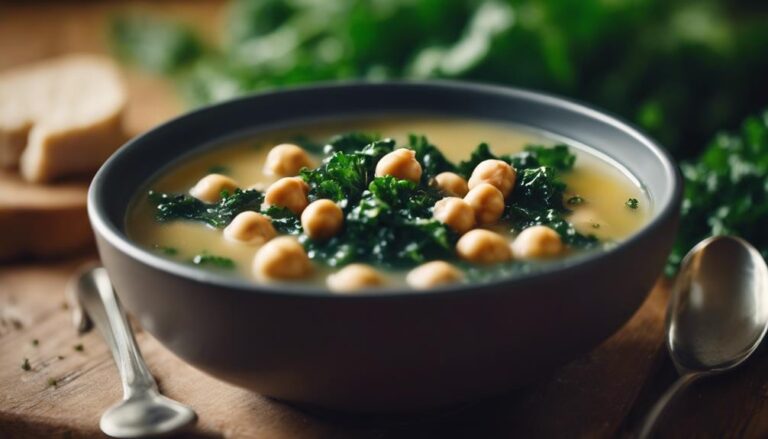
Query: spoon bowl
[
  {"x": 717, "y": 315},
  {"x": 148, "y": 415}
]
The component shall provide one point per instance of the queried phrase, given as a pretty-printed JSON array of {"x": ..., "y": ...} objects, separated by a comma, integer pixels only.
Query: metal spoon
[
  {"x": 143, "y": 411},
  {"x": 718, "y": 313}
]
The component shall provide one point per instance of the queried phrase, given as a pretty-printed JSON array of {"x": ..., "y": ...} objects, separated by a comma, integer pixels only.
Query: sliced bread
[{"x": 60, "y": 117}]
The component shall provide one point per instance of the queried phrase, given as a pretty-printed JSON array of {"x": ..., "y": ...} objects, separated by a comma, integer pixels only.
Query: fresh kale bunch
[
  {"x": 681, "y": 69},
  {"x": 726, "y": 190}
]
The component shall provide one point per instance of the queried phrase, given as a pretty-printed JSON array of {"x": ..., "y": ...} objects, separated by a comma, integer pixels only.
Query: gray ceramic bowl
[{"x": 394, "y": 351}]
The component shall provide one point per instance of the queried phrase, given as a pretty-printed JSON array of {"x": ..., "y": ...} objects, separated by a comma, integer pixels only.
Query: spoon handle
[
  {"x": 653, "y": 416},
  {"x": 99, "y": 301}
]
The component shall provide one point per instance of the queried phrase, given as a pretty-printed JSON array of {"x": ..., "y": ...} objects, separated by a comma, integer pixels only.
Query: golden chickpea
[
  {"x": 483, "y": 247},
  {"x": 455, "y": 213},
  {"x": 400, "y": 163},
  {"x": 537, "y": 242},
  {"x": 286, "y": 160},
  {"x": 495, "y": 172},
  {"x": 451, "y": 184},
  {"x": 282, "y": 258},
  {"x": 487, "y": 202},
  {"x": 322, "y": 219},
  {"x": 432, "y": 274},
  {"x": 250, "y": 228},
  {"x": 288, "y": 192},
  {"x": 584, "y": 219},
  {"x": 355, "y": 277},
  {"x": 210, "y": 187}
]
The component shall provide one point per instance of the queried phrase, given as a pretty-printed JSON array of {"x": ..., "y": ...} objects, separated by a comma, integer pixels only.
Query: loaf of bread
[{"x": 60, "y": 117}]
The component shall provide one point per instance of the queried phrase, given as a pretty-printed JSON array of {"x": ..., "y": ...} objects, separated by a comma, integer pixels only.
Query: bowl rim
[{"x": 118, "y": 238}]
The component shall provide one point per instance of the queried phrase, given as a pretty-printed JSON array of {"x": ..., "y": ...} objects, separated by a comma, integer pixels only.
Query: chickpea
[
  {"x": 487, "y": 202},
  {"x": 455, "y": 213},
  {"x": 584, "y": 219},
  {"x": 432, "y": 274},
  {"x": 210, "y": 187},
  {"x": 495, "y": 172},
  {"x": 322, "y": 219},
  {"x": 483, "y": 247},
  {"x": 282, "y": 258},
  {"x": 288, "y": 192},
  {"x": 250, "y": 228},
  {"x": 286, "y": 160},
  {"x": 400, "y": 163},
  {"x": 354, "y": 277},
  {"x": 451, "y": 184},
  {"x": 537, "y": 242}
]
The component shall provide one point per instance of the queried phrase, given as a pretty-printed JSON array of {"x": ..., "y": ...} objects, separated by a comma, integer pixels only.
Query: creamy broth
[{"x": 604, "y": 186}]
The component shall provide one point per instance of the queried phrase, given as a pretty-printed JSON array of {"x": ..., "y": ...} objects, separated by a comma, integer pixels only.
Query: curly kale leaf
[
  {"x": 213, "y": 261},
  {"x": 481, "y": 153},
  {"x": 350, "y": 142},
  {"x": 538, "y": 200},
  {"x": 182, "y": 206},
  {"x": 558, "y": 157},
  {"x": 429, "y": 156},
  {"x": 726, "y": 191},
  {"x": 343, "y": 176},
  {"x": 391, "y": 225},
  {"x": 539, "y": 188},
  {"x": 283, "y": 220}
]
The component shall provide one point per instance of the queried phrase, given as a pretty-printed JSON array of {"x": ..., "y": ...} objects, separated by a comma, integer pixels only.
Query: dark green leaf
[
  {"x": 171, "y": 207},
  {"x": 213, "y": 261}
]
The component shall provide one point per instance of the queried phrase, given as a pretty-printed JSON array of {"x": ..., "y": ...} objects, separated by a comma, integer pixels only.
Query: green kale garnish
[
  {"x": 168, "y": 251},
  {"x": 632, "y": 203},
  {"x": 213, "y": 260},
  {"x": 182, "y": 206},
  {"x": 343, "y": 176},
  {"x": 432, "y": 160},
  {"x": 349, "y": 142},
  {"x": 283, "y": 220},
  {"x": 558, "y": 157},
  {"x": 481, "y": 153},
  {"x": 391, "y": 225},
  {"x": 389, "y": 222},
  {"x": 538, "y": 195}
]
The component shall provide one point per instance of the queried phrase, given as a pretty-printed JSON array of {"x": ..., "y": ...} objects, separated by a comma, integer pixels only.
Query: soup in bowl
[
  {"x": 385, "y": 247},
  {"x": 388, "y": 202}
]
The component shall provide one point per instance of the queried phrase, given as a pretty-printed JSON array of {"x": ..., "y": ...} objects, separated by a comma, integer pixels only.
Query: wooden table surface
[{"x": 602, "y": 394}]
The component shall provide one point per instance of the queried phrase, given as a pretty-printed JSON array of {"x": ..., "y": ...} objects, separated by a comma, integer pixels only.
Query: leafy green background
[{"x": 683, "y": 70}]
